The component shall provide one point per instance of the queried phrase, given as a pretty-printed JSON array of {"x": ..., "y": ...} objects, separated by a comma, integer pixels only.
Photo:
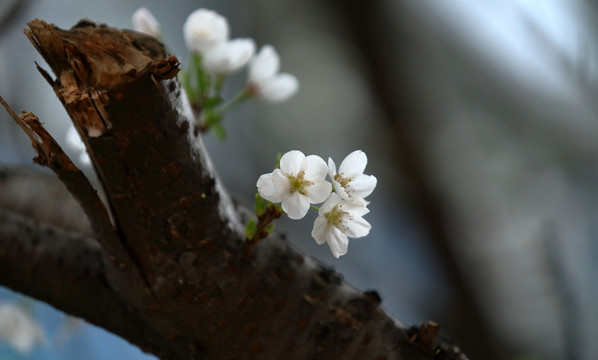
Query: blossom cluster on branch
[
  {"x": 300, "y": 181},
  {"x": 214, "y": 56}
]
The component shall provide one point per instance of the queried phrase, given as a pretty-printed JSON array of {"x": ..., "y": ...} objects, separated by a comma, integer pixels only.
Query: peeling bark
[{"x": 201, "y": 295}]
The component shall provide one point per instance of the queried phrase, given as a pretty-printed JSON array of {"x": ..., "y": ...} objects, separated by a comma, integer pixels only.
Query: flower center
[
  {"x": 335, "y": 216},
  {"x": 343, "y": 181},
  {"x": 298, "y": 183}
]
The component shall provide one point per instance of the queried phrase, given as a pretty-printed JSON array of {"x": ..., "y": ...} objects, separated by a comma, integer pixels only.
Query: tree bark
[{"x": 169, "y": 270}]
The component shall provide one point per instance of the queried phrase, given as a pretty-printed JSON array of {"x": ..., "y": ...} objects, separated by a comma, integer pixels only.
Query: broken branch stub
[{"x": 119, "y": 89}]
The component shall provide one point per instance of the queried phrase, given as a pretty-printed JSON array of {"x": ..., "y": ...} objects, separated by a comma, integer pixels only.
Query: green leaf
[
  {"x": 250, "y": 229},
  {"x": 260, "y": 205}
]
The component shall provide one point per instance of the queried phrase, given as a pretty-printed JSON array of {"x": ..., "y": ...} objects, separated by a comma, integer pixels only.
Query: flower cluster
[
  {"x": 18, "y": 328},
  {"x": 300, "y": 181},
  {"x": 214, "y": 57}
]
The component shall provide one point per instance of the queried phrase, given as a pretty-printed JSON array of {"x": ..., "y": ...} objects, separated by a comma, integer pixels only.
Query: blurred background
[{"x": 478, "y": 119}]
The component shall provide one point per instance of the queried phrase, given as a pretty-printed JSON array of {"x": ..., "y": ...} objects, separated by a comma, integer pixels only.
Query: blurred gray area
[{"x": 503, "y": 94}]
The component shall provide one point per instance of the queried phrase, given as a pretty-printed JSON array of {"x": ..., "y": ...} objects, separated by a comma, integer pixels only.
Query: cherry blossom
[
  {"x": 299, "y": 182},
  {"x": 145, "y": 22},
  {"x": 338, "y": 220},
  {"x": 18, "y": 329},
  {"x": 264, "y": 79},
  {"x": 350, "y": 182},
  {"x": 204, "y": 29},
  {"x": 228, "y": 57}
]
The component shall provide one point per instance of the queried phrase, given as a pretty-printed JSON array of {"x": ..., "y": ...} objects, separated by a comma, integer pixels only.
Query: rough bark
[{"x": 171, "y": 258}]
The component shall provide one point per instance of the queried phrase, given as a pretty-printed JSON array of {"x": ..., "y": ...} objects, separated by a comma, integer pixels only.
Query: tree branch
[
  {"x": 211, "y": 300},
  {"x": 64, "y": 269}
]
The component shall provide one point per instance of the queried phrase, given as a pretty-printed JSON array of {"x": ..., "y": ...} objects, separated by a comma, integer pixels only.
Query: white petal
[
  {"x": 362, "y": 186},
  {"x": 353, "y": 164},
  {"x": 290, "y": 163},
  {"x": 228, "y": 57},
  {"x": 145, "y": 22},
  {"x": 319, "y": 191},
  {"x": 273, "y": 187},
  {"x": 265, "y": 186},
  {"x": 278, "y": 88},
  {"x": 332, "y": 201},
  {"x": 358, "y": 227},
  {"x": 295, "y": 205},
  {"x": 264, "y": 65},
  {"x": 204, "y": 29},
  {"x": 338, "y": 242},
  {"x": 356, "y": 207},
  {"x": 321, "y": 230},
  {"x": 331, "y": 168},
  {"x": 340, "y": 190},
  {"x": 315, "y": 168},
  {"x": 18, "y": 328}
]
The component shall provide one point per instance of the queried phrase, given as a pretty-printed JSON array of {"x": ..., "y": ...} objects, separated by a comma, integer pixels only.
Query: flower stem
[
  {"x": 234, "y": 102},
  {"x": 314, "y": 207}
]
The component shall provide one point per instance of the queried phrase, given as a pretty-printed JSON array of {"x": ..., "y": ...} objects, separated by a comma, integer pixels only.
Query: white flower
[
  {"x": 339, "y": 219},
  {"x": 350, "y": 182},
  {"x": 204, "y": 29},
  {"x": 145, "y": 22},
  {"x": 300, "y": 181},
  {"x": 74, "y": 141},
  {"x": 265, "y": 80},
  {"x": 228, "y": 57},
  {"x": 18, "y": 329}
]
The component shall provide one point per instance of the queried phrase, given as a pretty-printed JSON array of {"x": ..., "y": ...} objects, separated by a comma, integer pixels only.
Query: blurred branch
[
  {"x": 567, "y": 300},
  {"x": 64, "y": 269},
  {"x": 41, "y": 196},
  {"x": 370, "y": 28}
]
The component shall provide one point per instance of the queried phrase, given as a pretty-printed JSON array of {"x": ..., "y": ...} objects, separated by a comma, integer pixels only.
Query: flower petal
[
  {"x": 228, "y": 57},
  {"x": 319, "y": 191},
  {"x": 315, "y": 168},
  {"x": 264, "y": 65},
  {"x": 295, "y": 205},
  {"x": 273, "y": 187},
  {"x": 278, "y": 88},
  {"x": 145, "y": 22},
  {"x": 331, "y": 168},
  {"x": 327, "y": 206},
  {"x": 338, "y": 242},
  {"x": 204, "y": 29},
  {"x": 321, "y": 230},
  {"x": 362, "y": 186},
  {"x": 357, "y": 227},
  {"x": 353, "y": 164},
  {"x": 356, "y": 207},
  {"x": 290, "y": 163}
]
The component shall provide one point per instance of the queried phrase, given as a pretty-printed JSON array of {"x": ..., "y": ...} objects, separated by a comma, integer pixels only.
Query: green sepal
[
  {"x": 219, "y": 131},
  {"x": 250, "y": 229},
  {"x": 269, "y": 228},
  {"x": 278, "y": 156},
  {"x": 260, "y": 205}
]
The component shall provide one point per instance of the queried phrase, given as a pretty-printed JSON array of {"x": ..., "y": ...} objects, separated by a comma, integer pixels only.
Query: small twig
[
  {"x": 272, "y": 212},
  {"x": 50, "y": 154}
]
